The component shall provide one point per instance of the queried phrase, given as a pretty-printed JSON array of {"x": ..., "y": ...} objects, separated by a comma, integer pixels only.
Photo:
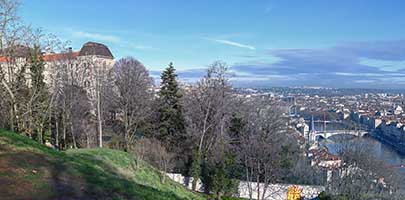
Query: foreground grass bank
[{"x": 29, "y": 170}]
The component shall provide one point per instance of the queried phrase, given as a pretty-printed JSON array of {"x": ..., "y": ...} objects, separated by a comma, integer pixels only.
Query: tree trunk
[
  {"x": 50, "y": 121},
  {"x": 194, "y": 184},
  {"x": 57, "y": 132},
  {"x": 219, "y": 195},
  {"x": 126, "y": 130},
  {"x": 13, "y": 112},
  {"x": 73, "y": 136},
  {"x": 64, "y": 124},
  {"x": 100, "y": 124},
  {"x": 196, "y": 175},
  {"x": 258, "y": 187},
  {"x": 64, "y": 133},
  {"x": 164, "y": 172},
  {"x": 126, "y": 144},
  {"x": 12, "y": 120},
  {"x": 87, "y": 140},
  {"x": 163, "y": 178},
  {"x": 40, "y": 135}
]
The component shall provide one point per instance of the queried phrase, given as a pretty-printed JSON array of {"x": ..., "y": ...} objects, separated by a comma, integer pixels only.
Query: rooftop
[{"x": 88, "y": 49}]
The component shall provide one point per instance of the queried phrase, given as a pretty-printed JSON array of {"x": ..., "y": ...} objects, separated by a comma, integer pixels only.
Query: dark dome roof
[{"x": 93, "y": 48}]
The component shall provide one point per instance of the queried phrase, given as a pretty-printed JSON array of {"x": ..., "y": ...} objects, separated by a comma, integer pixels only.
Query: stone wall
[
  {"x": 186, "y": 181},
  {"x": 247, "y": 189}
]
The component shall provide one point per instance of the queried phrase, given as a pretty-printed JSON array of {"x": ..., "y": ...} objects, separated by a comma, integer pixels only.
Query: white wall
[
  {"x": 273, "y": 192},
  {"x": 186, "y": 181}
]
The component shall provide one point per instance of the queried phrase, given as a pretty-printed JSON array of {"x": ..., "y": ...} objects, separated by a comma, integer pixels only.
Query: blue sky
[{"x": 266, "y": 43}]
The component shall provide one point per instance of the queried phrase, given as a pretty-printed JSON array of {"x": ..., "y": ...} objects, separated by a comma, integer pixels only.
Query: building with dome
[
  {"x": 87, "y": 69},
  {"x": 90, "y": 57},
  {"x": 82, "y": 67}
]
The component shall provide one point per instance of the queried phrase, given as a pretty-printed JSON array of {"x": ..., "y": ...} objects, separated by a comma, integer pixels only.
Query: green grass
[{"x": 29, "y": 170}]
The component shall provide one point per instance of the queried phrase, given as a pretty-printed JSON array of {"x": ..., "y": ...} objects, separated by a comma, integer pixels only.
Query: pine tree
[
  {"x": 171, "y": 120},
  {"x": 40, "y": 96},
  {"x": 21, "y": 95}
]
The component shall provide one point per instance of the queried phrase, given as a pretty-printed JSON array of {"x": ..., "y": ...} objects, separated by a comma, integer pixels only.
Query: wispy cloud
[
  {"x": 148, "y": 48},
  {"x": 232, "y": 43},
  {"x": 187, "y": 76},
  {"x": 96, "y": 36},
  {"x": 364, "y": 81}
]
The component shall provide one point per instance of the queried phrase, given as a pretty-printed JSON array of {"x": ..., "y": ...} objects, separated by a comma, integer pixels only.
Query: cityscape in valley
[
  {"x": 319, "y": 113},
  {"x": 110, "y": 105}
]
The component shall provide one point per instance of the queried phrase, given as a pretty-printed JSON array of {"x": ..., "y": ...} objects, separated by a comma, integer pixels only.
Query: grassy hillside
[{"x": 29, "y": 170}]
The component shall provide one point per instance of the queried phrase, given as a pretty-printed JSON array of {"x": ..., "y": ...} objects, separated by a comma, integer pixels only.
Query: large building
[
  {"x": 82, "y": 68},
  {"x": 92, "y": 55}
]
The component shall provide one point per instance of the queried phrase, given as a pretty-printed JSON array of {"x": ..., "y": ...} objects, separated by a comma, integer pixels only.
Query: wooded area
[{"x": 204, "y": 131}]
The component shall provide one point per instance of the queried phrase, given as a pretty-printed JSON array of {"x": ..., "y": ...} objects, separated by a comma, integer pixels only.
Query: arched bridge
[{"x": 314, "y": 135}]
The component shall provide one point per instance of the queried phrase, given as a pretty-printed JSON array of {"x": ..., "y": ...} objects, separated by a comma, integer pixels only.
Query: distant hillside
[{"x": 29, "y": 170}]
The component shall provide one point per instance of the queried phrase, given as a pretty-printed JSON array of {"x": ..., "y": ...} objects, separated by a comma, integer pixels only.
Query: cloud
[
  {"x": 338, "y": 66},
  {"x": 189, "y": 76},
  {"x": 96, "y": 36},
  {"x": 246, "y": 56},
  {"x": 232, "y": 43},
  {"x": 393, "y": 50},
  {"x": 364, "y": 81},
  {"x": 148, "y": 48}
]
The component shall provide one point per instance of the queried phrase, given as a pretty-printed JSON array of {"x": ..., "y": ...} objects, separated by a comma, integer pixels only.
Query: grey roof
[{"x": 93, "y": 48}]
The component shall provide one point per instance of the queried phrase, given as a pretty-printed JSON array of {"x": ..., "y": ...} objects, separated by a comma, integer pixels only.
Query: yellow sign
[{"x": 294, "y": 193}]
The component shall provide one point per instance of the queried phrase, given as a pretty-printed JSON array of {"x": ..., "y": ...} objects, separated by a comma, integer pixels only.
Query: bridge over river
[{"x": 315, "y": 135}]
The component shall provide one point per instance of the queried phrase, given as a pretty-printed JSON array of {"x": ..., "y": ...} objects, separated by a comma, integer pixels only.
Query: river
[{"x": 380, "y": 150}]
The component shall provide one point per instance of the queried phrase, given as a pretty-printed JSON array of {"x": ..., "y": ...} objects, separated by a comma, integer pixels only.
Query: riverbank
[
  {"x": 395, "y": 145},
  {"x": 379, "y": 149}
]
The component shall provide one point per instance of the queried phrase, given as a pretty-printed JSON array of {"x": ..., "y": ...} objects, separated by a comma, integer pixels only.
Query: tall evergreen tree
[
  {"x": 39, "y": 107},
  {"x": 171, "y": 120}
]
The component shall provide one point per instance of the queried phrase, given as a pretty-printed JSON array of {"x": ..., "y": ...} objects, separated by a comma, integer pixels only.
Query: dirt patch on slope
[{"x": 27, "y": 175}]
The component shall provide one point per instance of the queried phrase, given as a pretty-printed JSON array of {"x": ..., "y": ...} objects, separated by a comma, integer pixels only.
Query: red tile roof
[
  {"x": 89, "y": 48},
  {"x": 51, "y": 57},
  {"x": 60, "y": 56},
  {"x": 3, "y": 59}
]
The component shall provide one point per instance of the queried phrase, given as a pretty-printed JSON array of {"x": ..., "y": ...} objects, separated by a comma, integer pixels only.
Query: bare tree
[
  {"x": 21, "y": 74},
  {"x": 69, "y": 86},
  {"x": 98, "y": 79},
  {"x": 62, "y": 76},
  {"x": 79, "y": 116},
  {"x": 12, "y": 34},
  {"x": 152, "y": 151},
  {"x": 56, "y": 78},
  {"x": 265, "y": 149},
  {"x": 134, "y": 96},
  {"x": 208, "y": 108},
  {"x": 362, "y": 175}
]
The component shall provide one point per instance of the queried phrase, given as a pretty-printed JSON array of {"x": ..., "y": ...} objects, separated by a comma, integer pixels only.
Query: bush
[{"x": 324, "y": 196}]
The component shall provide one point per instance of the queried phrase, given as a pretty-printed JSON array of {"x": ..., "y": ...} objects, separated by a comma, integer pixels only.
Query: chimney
[
  {"x": 48, "y": 51},
  {"x": 69, "y": 49}
]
